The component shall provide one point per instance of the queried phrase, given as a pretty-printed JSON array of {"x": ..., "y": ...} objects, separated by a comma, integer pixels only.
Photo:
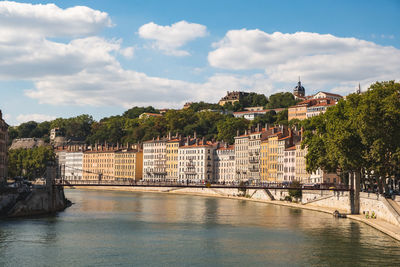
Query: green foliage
[
  {"x": 30, "y": 163},
  {"x": 269, "y": 117},
  {"x": 242, "y": 188},
  {"x": 135, "y": 112},
  {"x": 198, "y": 106},
  {"x": 288, "y": 198},
  {"x": 295, "y": 193},
  {"x": 360, "y": 134},
  {"x": 78, "y": 127},
  {"x": 254, "y": 100},
  {"x": 228, "y": 128},
  {"x": 281, "y": 100},
  {"x": 282, "y": 117}
]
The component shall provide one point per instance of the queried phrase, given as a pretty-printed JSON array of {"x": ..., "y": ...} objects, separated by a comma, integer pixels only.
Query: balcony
[
  {"x": 253, "y": 160},
  {"x": 190, "y": 172}
]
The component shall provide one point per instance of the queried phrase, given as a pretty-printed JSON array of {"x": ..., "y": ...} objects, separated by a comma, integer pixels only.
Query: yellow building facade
[
  {"x": 172, "y": 159},
  {"x": 128, "y": 165},
  {"x": 264, "y": 160},
  {"x": 98, "y": 164},
  {"x": 272, "y": 158}
]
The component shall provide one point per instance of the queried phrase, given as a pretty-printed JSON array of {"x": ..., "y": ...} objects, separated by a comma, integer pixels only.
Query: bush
[
  {"x": 288, "y": 198},
  {"x": 295, "y": 193}
]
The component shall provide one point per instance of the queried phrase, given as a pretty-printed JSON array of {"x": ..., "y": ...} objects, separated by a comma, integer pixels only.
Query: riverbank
[{"x": 379, "y": 224}]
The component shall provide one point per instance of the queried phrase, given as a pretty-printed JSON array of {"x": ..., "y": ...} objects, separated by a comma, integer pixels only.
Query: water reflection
[{"x": 122, "y": 228}]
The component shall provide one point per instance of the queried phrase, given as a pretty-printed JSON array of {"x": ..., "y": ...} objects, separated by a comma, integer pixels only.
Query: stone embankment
[
  {"x": 39, "y": 201},
  {"x": 388, "y": 220}
]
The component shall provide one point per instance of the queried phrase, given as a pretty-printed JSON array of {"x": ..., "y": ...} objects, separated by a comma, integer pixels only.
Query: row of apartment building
[
  {"x": 260, "y": 155},
  {"x": 100, "y": 162}
]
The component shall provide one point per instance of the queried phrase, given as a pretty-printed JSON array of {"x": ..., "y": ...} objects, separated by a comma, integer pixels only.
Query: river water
[{"x": 107, "y": 228}]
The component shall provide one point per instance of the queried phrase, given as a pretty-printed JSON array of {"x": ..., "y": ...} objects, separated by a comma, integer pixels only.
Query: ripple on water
[{"x": 148, "y": 229}]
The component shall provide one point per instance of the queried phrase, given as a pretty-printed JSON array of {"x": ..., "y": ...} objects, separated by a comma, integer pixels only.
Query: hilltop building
[
  {"x": 309, "y": 108},
  {"x": 3, "y": 148},
  {"x": 232, "y": 97},
  {"x": 299, "y": 91},
  {"x": 148, "y": 115},
  {"x": 252, "y": 114}
]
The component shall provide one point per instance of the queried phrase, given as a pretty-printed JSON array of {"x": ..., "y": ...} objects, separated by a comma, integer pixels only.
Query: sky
[{"x": 66, "y": 58}]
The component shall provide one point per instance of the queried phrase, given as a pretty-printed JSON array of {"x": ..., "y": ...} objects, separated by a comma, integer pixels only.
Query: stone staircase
[{"x": 395, "y": 208}]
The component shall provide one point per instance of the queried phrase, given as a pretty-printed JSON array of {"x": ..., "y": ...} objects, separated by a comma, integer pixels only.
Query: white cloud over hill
[
  {"x": 83, "y": 69},
  {"x": 170, "y": 39},
  {"x": 34, "y": 117},
  {"x": 320, "y": 58}
]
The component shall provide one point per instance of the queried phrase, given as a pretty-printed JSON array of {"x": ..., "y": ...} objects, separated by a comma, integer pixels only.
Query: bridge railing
[{"x": 194, "y": 185}]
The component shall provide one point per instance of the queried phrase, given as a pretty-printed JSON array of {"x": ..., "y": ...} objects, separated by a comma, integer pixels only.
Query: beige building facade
[
  {"x": 98, "y": 164},
  {"x": 242, "y": 157},
  {"x": 128, "y": 164}
]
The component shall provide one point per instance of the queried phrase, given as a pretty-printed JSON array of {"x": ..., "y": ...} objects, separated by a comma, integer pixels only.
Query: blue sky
[{"x": 101, "y": 57}]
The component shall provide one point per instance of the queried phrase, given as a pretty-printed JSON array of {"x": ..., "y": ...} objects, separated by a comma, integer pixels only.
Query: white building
[
  {"x": 289, "y": 164},
  {"x": 321, "y": 94},
  {"x": 321, "y": 177},
  {"x": 320, "y": 107},
  {"x": 154, "y": 160},
  {"x": 283, "y": 143},
  {"x": 60, "y": 159},
  {"x": 224, "y": 164},
  {"x": 73, "y": 165},
  {"x": 195, "y": 163},
  {"x": 254, "y": 154}
]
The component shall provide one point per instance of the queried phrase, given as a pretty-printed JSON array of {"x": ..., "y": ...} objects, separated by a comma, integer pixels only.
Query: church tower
[{"x": 299, "y": 90}]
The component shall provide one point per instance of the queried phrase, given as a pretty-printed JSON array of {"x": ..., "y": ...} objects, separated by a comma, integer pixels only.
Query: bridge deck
[{"x": 215, "y": 186}]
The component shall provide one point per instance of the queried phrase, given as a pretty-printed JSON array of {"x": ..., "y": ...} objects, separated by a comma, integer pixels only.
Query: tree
[
  {"x": 135, "y": 112},
  {"x": 281, "y": 100},
  {"x": 228, "y": 128},
  {"x": 254, "y": 100},
  {"x": 295, "y": 191},
  {"x": 198, "y": 106},
  {"x": 30, "y": 163},
  {"x": 359, "y": 135}
]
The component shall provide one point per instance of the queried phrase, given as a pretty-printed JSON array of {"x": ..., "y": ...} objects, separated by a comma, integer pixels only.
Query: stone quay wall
[{"x": 372, "y": 202}]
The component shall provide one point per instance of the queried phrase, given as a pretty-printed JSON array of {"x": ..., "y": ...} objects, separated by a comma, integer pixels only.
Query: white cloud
[
  {"x": 127, "y": 52},
  {"x": 170, "y": 38},
  {"x": 26, "y": 51},
  {"x": 34, "y": 117},
  {"x": 320, "y": 59},
  {"x": 114, "y": 86},
  {"x": 49, "y": 20}
]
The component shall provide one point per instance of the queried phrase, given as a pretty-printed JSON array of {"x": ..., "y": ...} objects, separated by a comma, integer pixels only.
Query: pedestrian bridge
[{"x": 132, "y": 183}]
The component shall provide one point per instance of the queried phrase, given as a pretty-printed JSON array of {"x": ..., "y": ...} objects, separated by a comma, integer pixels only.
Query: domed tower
[{"x": 299, "y": 90}]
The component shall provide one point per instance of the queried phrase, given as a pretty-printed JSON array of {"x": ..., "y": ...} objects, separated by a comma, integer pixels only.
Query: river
[{"x": 107, "y": 228}]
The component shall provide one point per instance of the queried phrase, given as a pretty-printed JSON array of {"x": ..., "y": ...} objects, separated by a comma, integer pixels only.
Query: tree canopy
[
  {"x": 281, "y": 100},
  {"x": 30, "y": 163},
  {"x": 359, "y": 135}
]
